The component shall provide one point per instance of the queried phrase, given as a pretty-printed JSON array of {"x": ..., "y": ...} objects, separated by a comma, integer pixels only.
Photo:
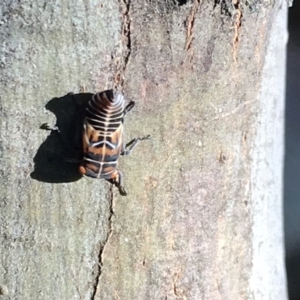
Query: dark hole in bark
[{"x": 181, "y": 2}]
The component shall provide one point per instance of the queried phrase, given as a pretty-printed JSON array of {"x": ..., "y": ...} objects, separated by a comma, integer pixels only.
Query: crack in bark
[
  {"x": 237, "y": 27},
  {"x": 190, "y": 25},
  {"x": 118, "y": 83},
  {"x": 178, "y": 293},
  {"x": 126, "y": 43},
  {"x": 102, "y": 247}
]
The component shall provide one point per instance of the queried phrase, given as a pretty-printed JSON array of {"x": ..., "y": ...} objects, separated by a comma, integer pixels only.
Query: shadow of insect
[{"x": 58, "y": 158}]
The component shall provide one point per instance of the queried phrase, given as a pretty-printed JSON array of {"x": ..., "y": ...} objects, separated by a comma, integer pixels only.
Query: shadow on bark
[
  {"x": 53, "y": 160},
  {"x": 293, "y": 271}
]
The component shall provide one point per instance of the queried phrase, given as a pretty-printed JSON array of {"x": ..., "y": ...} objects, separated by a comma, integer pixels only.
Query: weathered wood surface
[{"x": 203, "y": 216}]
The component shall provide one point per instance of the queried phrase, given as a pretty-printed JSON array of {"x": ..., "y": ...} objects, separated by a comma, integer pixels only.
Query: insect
[{"x": 102, "y": 137}]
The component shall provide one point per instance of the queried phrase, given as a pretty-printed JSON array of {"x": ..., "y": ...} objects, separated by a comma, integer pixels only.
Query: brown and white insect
[{"x": 103, "y": 137}]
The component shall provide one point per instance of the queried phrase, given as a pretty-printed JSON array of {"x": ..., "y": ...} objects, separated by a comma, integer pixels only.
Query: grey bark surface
[{"x": 203, "y": 215}]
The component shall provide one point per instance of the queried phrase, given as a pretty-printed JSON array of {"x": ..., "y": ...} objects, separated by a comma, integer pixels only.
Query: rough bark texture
[{"x": 196, "y": 223}]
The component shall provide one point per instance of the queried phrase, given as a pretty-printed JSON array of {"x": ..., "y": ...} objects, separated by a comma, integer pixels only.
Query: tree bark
[{"x": 203, "y": 215}]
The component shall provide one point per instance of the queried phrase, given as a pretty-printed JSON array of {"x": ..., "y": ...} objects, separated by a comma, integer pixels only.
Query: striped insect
[{"x": 103, "y": 137}]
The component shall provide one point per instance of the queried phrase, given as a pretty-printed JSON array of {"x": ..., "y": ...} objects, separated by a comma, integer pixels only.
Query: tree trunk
[{"x": 203, "y": 215}]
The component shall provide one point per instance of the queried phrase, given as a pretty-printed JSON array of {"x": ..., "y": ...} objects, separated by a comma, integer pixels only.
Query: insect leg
[
  {"x": 119, "y": 184},
  {"x": 46, "y": 126},
  {"x": 132, "y": 144},
  {"x": 129, "y": 107},
  {"x": 117, "y": 180}
]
